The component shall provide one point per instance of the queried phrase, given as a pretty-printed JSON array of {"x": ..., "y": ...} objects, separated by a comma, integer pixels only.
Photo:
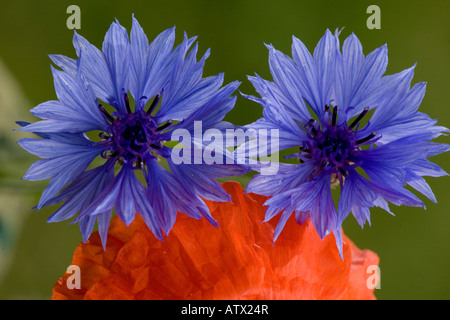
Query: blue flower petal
[
  {"x": 159, "y": 63},
  {"x": 56, "y": 169},
  {"x": 194, "y": 180},
  {"x": 424, "y": 167},
  {"x": 419, "y": 183},
  {"x": 289, "y": 176},
  {"x": 187, "y": 90},
  {"x": 48, "y": 148},
  {"x": 307, "y": 74},
  {"x": 325, "y": 57},
  {"x": 214, "y": 110},
  {"x": 69, "y": 65},
  {"x": 94, "y": 67},
  {"x": 358, "y": 194},
  {"x": 369, "y": 75},
  {"x": 286, "y": 76},
  {"x": 159, "y": 183},
  {"x": 341, "y": 87},
  {"x": 133, "y": 139},
  {"x": 116, "y": 50},
  {"x": 86, "y": 186},
  {"x": 348, "y": 70},
  {"x": 125, "y": 206},
  {"x": 103, "y": 220},
  {"x": 139, "y": 47},
  {"x": 313, "y": 196},
  {"x": 76, "y": 98},
  {"x": 71, "y": 126}
]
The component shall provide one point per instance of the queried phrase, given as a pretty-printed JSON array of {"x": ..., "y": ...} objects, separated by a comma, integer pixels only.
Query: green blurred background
[{"x": 413, "y": 246}]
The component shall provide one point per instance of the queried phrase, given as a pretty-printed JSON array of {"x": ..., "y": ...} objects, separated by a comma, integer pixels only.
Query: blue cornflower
[
  {"x": 321, "y": 103},
  {"x": 136, "y": 172}
]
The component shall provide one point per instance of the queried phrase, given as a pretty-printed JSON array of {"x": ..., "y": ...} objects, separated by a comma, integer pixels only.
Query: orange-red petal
[{"x": 238, "y": 260}]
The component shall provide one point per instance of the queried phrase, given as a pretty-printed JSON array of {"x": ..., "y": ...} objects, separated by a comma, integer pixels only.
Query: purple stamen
[
  {"x": 343, "y": 172},
  {"x": 164, "y": 126},
  {"x": 134, "y": 137},
  {"x": 370, "y": 136},
  {"x": 127, "y": 103},
  {"x": 156, "y": 147},
  {"x": 103, "y": 135},
  {"x": 361, "y": 115},
  {"x": 332, "y": 146},
  {"x": 154, "y": 103},
  {"x": 335, "y": 111},
  {"x": 106, "y": 114}
]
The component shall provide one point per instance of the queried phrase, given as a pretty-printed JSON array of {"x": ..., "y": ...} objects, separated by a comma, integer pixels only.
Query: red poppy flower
[{"x": 238, "y": 260}]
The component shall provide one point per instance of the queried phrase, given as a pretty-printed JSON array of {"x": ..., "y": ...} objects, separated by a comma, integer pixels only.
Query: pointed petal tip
[
  {"x": 51, "y": 219},
  {"x": 22, "y": 123},
  {"x": 215, "y": 223},
  {"x": 242, "y": 94},
  {"x": 23, "y": 129},
  {"x": 41, "y": 204},
  {"x": 269, "y": 46},
  {"x": 337, "y": 32}
]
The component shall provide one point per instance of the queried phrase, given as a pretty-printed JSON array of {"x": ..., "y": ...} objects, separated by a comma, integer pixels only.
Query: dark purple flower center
[
  {"x": 333, "y": 146},
  {"x": 133, "y": 138}
]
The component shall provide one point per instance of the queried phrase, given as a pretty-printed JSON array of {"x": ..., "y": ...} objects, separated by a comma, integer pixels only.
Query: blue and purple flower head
[
  {"x": 336, "y": 113},
  {"x": 322, "y": 103},
  {"x": 131, "y": 95}
]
